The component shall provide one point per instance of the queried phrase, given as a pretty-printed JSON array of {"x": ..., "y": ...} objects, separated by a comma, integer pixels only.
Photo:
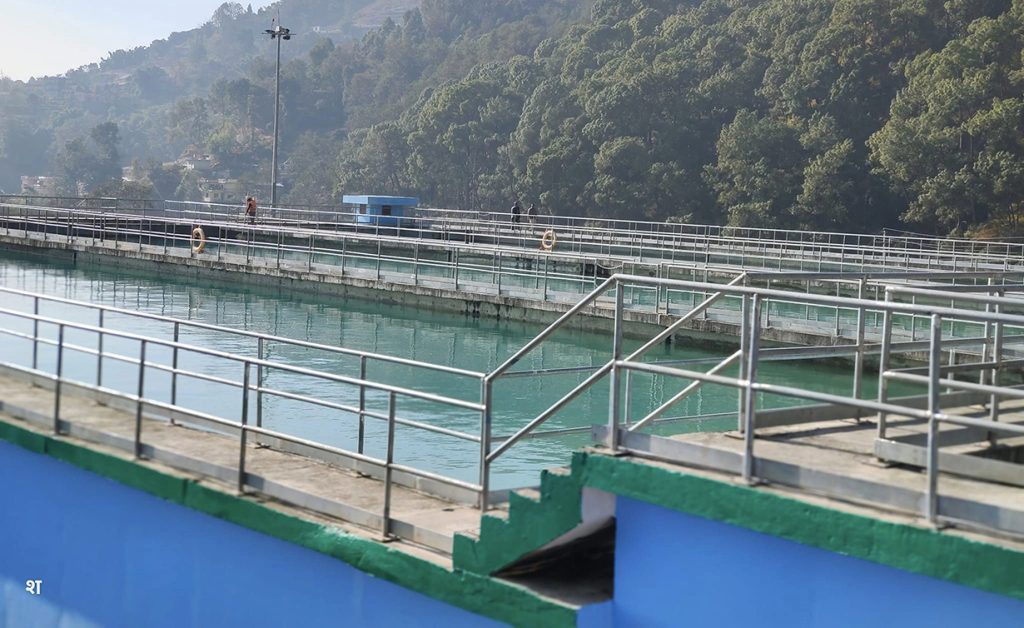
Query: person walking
[
  {"x": 531, "y": 213},
  {"x": 250, "y": 210},
  {"x": 517, "y": 211}
]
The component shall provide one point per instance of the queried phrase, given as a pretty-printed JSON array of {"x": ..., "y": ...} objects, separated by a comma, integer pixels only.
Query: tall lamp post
[{"x": 278, "y": 33}]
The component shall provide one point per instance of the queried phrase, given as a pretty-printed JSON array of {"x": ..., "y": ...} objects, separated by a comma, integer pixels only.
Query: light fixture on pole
[{"x": 276, "y": 32}]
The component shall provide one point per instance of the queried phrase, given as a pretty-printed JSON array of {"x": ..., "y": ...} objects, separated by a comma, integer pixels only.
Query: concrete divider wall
[
  {"x": 110, "y": 555},
  {"x": 671, "y": 565}
]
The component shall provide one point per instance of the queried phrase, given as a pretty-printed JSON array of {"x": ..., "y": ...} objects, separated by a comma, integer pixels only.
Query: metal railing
[
  {"x": 976, "y": 330},
  {"x": 463, "y": 268},
  {"x": 249, "y": 381},
  {"x": 650, "y": 242},
  {"x": 668, "y": 242},
  {"x": 985, "y": 355},
  {"x": 988, "y": 345}
]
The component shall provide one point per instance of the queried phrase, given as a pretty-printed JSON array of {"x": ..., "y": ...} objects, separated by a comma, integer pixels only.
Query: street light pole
[{"x": 278, "y": 33}]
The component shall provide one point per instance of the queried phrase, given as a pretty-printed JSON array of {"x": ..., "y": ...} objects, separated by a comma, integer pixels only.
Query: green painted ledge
[
  {"x": 477, "y": 593},
  {"x": 911, "y": 548},
  {"x": 530, "y": 525}
]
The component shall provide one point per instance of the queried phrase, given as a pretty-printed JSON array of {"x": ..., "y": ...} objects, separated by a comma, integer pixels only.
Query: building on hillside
[
  {"x": 221, "y": 190},
  {"x": 197, "y": 162},
  {"x": 41, "y": 185}
]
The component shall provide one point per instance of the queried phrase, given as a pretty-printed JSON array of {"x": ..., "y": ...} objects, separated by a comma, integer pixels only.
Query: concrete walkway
[{"x": 311, "y": 487}]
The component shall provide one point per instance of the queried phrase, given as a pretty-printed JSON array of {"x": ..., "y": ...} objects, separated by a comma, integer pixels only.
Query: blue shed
[{"x": 386, "y": 211}]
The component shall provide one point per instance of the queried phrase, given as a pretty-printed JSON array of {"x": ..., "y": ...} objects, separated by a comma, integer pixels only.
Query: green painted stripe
[
  {"x": 476, "y": 593},
  {"x": 532, "y": 524},
  {"x": 915, "y": 549}
]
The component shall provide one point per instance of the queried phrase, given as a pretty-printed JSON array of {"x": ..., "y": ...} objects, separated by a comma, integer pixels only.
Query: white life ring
[
  {"x": 548, "y": 240},
  {"x": 198, "y": 240}
]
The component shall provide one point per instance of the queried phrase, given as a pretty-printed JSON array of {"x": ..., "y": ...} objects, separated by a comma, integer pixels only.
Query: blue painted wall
[
  {"x": 109, "y": 555},
  {"x": 673, "y": 569}
]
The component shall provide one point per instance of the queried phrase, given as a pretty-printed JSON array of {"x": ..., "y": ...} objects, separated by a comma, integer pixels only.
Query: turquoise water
[{"x": 477, "y": 344}]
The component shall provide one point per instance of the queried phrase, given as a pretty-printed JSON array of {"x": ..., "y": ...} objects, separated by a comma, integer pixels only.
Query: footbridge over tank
[{"x": 496, "y": 268}]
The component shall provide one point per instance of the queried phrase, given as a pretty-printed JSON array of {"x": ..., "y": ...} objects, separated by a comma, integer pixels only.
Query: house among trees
[
  {"x": 40, "y": 185},
  {"x": 196, "y": 161},
  {"x": 221, "y": 190}
]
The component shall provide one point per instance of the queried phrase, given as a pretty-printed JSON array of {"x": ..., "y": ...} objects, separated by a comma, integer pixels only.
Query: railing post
[
  {"x": 386, "y": 518},
  {"x": 416, "y": 265},
  {"x": 362, "y": 404},
  {"x": 312, "y": 244},
  {"x": 380, "y": 253},
  {"x": 750, "y": 397},
  {"x": 60, "y": 377},
  {"x": 243, "y": 431},
  {"x": 838, "y": 309},
  {"x": 547, "y": 260},
  {"x": 703, "y": 294},
  {"x": 985, "y": 375},
  {"x": 485, "y": 443},
  {"x": 456, "y": 253},
  {"x": 858, "y": 360},
  {"x": 744, "y": 361},
  {"x": 883, "y": 365},
  {"x": 280, "y": 245},
  {"x": 913, "y": 319},
  {"x": 997, "y": 358},
  {"x": 259, "y": 382},
  {"x": 499, "y": 273},
  {"x": 99, "y": 351},
  {"x": 35, "y": 333},
  {"x": 613, "y": 391},
  {"x": 627, "y": 398},
  {"x": 934, "y": 372},
  {"x": 138, "y": 400},
  {"x": 174, "y": 366}
]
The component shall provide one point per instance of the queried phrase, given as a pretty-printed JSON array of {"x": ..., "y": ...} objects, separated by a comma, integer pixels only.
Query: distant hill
[
  {"x": 137, "y": 88},
  {"x": 208, "y": 92}
]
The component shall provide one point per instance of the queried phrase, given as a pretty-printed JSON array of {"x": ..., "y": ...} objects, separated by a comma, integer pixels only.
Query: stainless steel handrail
[
  {"x": 847, "y": 253},
  {"x": 250, "y": 334}
]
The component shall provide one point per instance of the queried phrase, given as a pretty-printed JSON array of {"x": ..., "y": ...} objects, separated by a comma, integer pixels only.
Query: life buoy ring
[
  {"x": 198, "y": 240},
  {"x": 548, "y": 240}
]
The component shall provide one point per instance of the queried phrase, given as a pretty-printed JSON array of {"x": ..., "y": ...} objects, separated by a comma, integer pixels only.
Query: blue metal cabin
[{"x": 386, "y": 211}]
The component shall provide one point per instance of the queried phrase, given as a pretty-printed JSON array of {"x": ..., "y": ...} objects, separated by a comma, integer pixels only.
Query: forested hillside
[
  {"x": 818, "y": 114},
  {"x": 823, "y": 114}
]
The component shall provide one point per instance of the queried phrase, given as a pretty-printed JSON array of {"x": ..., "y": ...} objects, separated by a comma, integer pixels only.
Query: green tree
[{"x": 953, "y": 143}]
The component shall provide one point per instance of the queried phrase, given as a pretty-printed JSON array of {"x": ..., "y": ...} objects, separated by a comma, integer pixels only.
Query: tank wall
[
  {"x": 674, "y": 569},
  {"x": 109, "y": 555}
]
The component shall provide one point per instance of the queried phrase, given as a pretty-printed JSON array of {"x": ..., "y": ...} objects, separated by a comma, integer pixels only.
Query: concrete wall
[
  {"x": 674, "y": 569},
  {"x": 109, "y": 555}
]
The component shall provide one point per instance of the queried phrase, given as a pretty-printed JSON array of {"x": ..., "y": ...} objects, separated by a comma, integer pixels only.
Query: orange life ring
[
  {"x": 198, "y": 240},
  {"x": 548, "y": 240}
]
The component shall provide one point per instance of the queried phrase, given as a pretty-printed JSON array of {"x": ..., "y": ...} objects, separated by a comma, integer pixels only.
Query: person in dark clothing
[{"x": 516, "y": 213}]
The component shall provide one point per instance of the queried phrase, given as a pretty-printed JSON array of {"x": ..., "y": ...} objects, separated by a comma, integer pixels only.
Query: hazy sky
[{"x": 46, "y": 37}]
